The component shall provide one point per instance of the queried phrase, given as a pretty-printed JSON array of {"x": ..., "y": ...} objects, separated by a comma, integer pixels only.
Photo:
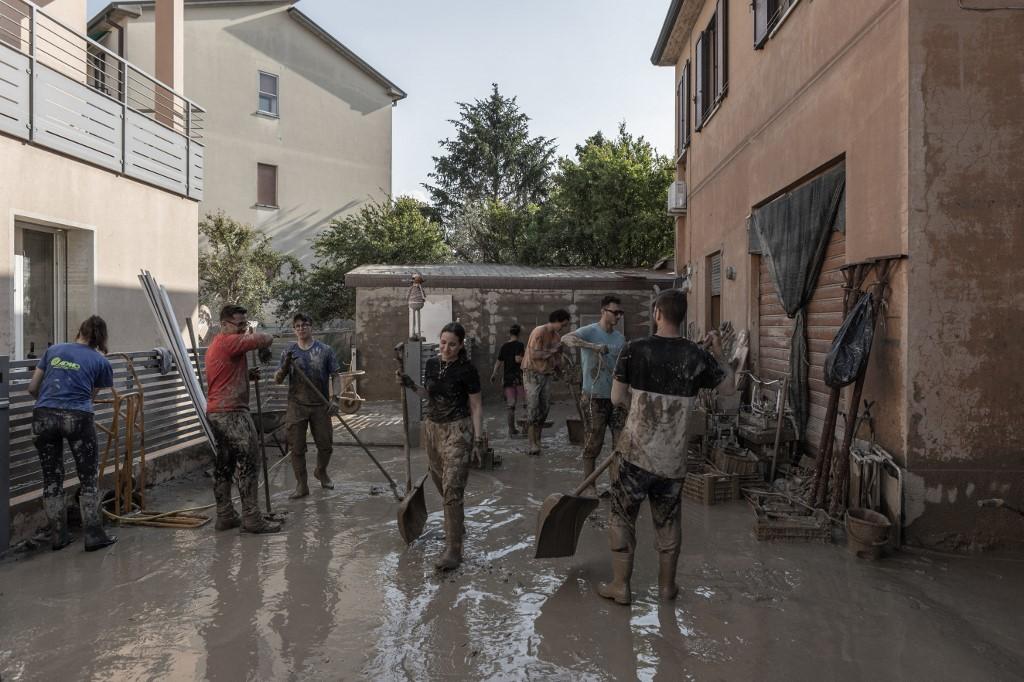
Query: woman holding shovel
[{"x": 453, "y": 431}]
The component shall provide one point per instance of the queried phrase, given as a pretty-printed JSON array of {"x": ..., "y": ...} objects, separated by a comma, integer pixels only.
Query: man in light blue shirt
[{"x": 599, "y": 345}]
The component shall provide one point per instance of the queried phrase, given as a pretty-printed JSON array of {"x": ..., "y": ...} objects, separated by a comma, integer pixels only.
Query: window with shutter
[
  {"x": 713, "y": 318},
  {"x": 686, "y": 105},
  {"x": 268, "y": 94},
  {"x": 721, "y": 48},
  {"x": 266, "y": 185},
  {"x": 760, "y": 23},
  {"x": 699, "y": 75}
]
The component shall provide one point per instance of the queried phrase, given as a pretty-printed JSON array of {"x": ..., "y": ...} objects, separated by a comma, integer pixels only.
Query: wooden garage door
[{"x": 825, "y": 315}]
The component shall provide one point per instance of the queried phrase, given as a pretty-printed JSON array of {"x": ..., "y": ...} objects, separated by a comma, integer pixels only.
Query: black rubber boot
[
  {"x": 252, "y": 519},
  {"x": 57, "y": 513},
  {"x": 227, "y": 517},
  {"x": 95, "y": 536},
  {"x": 301, "y": 480},
  {"x": 512, "y": 430}
]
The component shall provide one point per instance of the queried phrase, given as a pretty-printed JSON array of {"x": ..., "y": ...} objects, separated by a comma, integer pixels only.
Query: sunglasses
[{"x": 616, "y": 313}]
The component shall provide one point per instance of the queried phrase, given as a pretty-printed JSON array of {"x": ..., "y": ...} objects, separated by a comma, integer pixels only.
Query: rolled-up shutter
[
  {"x": 699, "y": 75},
  {"x": 684, "y": 112},
  {"x": 760, "y": 23},
  {"x": 721, "y": 48}
]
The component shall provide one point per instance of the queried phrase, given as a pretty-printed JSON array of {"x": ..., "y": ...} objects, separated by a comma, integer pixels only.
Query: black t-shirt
[
  {"x": 667, "y": 366},
  {"x": 448, "y": 389},
  {"x": 510, "y": 365}
]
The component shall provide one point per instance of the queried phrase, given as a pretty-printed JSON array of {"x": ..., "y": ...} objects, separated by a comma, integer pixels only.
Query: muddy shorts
[
  {"x": 448, "y": 445},
  {"x": 630, "y": 485},
  {"x": 236, "y": 447},
  {"x": 50, "y": 428},
  {"x": 514, "y": 395},
  {"x": 598, "y": 416},
  {"x": 538, "y": 396}
]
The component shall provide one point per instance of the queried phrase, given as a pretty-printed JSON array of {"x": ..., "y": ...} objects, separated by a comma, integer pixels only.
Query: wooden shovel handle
[{"x": 589, "y": 480}]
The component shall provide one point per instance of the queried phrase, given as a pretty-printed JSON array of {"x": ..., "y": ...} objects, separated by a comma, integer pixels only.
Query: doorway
[{"x": 40, "y": 281}]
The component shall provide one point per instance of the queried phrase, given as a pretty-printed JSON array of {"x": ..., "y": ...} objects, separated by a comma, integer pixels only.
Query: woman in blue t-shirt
[{"x": 64, "y": 385}]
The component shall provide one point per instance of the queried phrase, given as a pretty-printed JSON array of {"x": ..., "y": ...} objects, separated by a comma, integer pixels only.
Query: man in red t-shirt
[{"x": 227, "y": 405}]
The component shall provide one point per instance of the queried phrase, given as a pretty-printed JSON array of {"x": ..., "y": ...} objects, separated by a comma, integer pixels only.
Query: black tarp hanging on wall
[{"x": 794, "y": 231}]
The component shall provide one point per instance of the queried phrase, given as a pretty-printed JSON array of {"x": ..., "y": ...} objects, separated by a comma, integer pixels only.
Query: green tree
[
  {"x": 239, "y": 265},
  {"x": 607, "y": 206},
  {"x": 491, "y": 167},
  {"x": 392, "y": 231}
]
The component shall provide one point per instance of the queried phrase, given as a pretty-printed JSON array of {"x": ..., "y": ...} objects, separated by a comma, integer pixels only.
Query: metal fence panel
[
  {"x": 170, "y": 417},
  {"x": 155, "y": 154},
  {"x": 14, "y": 92},
  {"x": 195, "y": 180},
  {"x": 72, "y": 118}
]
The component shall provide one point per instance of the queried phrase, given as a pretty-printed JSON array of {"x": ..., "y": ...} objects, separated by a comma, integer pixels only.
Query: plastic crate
[
  {"x": 735, "y": 460},
  {"x": 711, "y": 488},
  {"x": 814, "y": 527}
]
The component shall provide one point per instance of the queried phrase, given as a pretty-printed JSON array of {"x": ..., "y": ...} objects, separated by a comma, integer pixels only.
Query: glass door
[{"x": 40, "y": 301}]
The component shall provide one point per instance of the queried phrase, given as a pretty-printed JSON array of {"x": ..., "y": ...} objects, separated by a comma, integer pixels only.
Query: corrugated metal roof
[{"x": 475, "y": 275}]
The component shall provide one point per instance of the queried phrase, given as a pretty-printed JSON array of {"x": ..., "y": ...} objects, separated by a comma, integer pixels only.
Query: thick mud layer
[{"x": 337, "y": 595}]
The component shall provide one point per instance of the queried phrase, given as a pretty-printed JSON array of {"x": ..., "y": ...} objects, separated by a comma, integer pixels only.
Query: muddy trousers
[
  {"x": 598, "y": 416},
  {"x": 237, "y": 456},
  {"x": 50, "y": 428},
  {"x": 630, "y": 485},
  {"x": 318, "y": 420},
  {"x": 448, "y": 445}
]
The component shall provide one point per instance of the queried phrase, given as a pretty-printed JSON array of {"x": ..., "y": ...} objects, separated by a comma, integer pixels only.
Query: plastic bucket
[
  {"x": 576, "y": 432},
  {"x": 867, "y": 532}
]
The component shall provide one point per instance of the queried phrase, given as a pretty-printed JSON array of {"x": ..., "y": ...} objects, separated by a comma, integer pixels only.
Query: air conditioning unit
[{"x": 677, "y": 198}]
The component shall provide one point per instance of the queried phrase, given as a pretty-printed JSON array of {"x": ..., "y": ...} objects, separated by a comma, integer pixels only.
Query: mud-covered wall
[
  {"x": 965, "y": 437},
  {"x": 382, "y": 322}
]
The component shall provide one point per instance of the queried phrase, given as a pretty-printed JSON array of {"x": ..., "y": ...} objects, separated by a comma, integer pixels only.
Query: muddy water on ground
[{"x": 338, "y": 596}]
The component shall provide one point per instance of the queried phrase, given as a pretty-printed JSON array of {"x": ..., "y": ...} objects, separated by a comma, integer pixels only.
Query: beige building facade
[
  {"x": 914, "y": 102},
  {"x": 299, "y": 129},
  {"x": 85, "y": 202}
]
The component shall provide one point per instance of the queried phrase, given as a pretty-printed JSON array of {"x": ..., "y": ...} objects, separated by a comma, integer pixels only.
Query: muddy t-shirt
[
  {"x": 318, "y": 363},
  {"x": 227, "y": 379},
  {"x": 664, "y": 376},
  {"x": 70, "y": 373},
  {"x": 449, "y": 386},
  {"x": 513, "y": 373}
]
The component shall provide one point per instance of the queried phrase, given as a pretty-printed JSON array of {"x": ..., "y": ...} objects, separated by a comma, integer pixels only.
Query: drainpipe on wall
[{"x": 5, "y": 454}]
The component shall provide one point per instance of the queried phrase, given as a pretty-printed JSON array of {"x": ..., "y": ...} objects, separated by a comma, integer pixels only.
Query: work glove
[
  {"x": 407, "y": 381},
  {"x": 254, "y": 374},
  {"x": 618, "y": 419},
  {"x": 288, "y": 360},
  {"x": 602, "y": 349},
  {"x": 476, "y": 456},
  {"x": 265, "y": 355},
  {"x": 334, "y": 406}
]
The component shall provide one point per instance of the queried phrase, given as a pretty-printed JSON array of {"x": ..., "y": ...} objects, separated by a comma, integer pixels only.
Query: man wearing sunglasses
[{"x": 599, "y": 345}]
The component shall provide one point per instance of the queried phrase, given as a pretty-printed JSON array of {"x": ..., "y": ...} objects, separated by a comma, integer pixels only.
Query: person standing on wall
[
  {"x": 543, "y": 359},
  {"x": 657, "y": 378},
  {"x": 227, "y": 405},
  {"x": 600, "y": 344},
  {"x": 64, "y": 384},
  {"x": 306, "y": 409},
  {"x": 508, "y": 364},
  {"x": 453, "y": 431}
]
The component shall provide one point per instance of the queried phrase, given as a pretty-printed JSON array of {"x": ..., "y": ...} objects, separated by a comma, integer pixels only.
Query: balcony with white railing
[{"x": 65, "y": 92}]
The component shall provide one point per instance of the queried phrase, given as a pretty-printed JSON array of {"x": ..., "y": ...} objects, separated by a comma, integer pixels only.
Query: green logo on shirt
[{"x": 65, "y": 364}]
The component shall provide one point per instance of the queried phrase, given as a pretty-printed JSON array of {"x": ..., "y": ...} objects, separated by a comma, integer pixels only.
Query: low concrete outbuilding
[{"x": 487, "y": 300}]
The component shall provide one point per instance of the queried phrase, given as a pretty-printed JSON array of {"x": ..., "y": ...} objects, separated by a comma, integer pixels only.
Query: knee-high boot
[
  {"x": 667, "y": 564},
  {"x": 227, "y": 517},
  {"x": 301, "y": 478},
  {"x": 512, "y": 430},
  {"x": 622, "y": 543},
  {"x": 454, "y": 529},
  {"x": 95, "y": 536},
  {"x": 57, "y": 513}
]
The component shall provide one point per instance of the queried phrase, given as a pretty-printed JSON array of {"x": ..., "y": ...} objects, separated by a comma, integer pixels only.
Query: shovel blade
[
  {"x": 559, "y": 524},
  {"x": 412, "y": 513}
]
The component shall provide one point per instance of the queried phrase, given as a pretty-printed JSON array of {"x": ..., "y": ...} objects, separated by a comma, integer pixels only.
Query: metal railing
[{"x": 81, "y": 99}]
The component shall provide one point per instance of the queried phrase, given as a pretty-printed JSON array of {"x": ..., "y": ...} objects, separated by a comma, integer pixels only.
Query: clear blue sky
[{"x": 576, "y": 66}]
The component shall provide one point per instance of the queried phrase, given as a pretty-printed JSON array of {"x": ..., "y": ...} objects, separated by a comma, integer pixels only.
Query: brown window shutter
[
  {"x": 686, "y": 104},
  {"x": 699, "y": 69},
  {"x": 716, "y": 274},
  {"x": 722, "y": 47},
  {"x": 266, "y": 184},
  {"x": 760, "y": 23}
]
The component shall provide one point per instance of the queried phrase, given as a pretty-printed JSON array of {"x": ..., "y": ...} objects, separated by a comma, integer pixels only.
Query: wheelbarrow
[{"x": 272, "y": 422}]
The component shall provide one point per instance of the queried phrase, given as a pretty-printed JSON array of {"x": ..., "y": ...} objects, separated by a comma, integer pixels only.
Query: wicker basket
[
  {"x": 711, "y": 488},
  {"x": 735, "y": 460}
]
